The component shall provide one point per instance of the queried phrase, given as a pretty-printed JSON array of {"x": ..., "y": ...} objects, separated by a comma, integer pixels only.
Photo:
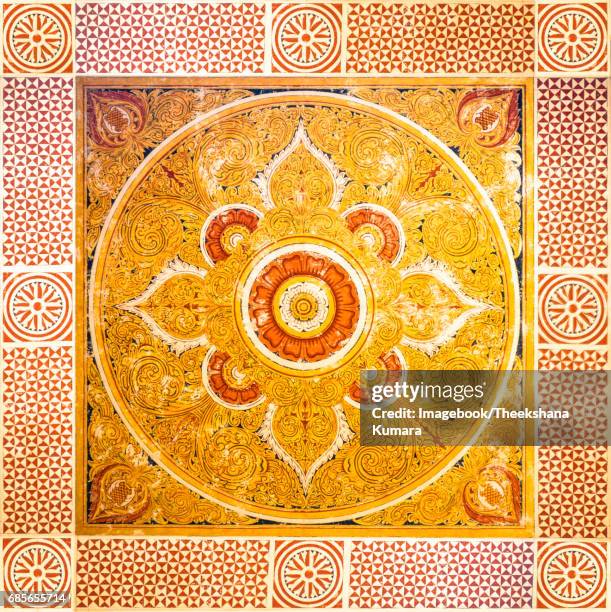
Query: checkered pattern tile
[
  {"x": 37, "y": 412},
  {"x": 38, "y": 170}
]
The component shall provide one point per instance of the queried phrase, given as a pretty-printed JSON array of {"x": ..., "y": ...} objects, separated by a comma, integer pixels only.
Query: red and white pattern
[
  {"x": 163, "y": 573},
  {"x": 572, "y": 37},
  {"x": 571, "y": 575},
  {"x": 572, "y": 122},
  {"x": 407, "y": 38},
  {"x": 37, "y": 306},
  {"x": 37, "y": 38},
  {"x": 441, "y": 574},
  {"x": 37, "y": 566},
  {"x": 306, "y": 37},
  {"x": 573, "y": 309},
  {"x": 569, "y": 359},
  {"x": 37, "y": 413},
  {"x": 201, "y": 37},
  {"x": 38, "y": 170},
  {"x": 308, "y": 574},
  {"x": 572, "y": 491},
  {"x": 584, "y": 394}
]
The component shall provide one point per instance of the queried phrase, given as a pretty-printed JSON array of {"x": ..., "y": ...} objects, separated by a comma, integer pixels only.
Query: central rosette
[{"x": 303, "y": 306}]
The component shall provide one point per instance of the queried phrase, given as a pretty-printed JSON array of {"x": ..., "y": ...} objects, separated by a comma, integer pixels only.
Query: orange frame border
[{"x": 525, "y": 530}]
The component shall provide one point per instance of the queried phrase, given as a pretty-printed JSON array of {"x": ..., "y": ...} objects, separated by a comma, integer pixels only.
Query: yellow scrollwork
[{"x": 256, "y": 264}]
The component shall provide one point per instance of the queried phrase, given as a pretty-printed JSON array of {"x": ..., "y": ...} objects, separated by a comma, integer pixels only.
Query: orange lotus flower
[{"x": 304, "y": 306}]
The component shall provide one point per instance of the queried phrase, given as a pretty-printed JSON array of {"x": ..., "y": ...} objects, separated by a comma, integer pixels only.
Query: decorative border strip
[{"x": 308, "y": 573}]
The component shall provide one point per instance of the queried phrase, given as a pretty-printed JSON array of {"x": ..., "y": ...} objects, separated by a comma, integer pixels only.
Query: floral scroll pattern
[{"x": 233, "y": 298}]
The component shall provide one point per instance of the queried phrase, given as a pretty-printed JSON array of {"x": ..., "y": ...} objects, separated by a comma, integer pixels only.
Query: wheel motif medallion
[{"x": 263, "y": 256}]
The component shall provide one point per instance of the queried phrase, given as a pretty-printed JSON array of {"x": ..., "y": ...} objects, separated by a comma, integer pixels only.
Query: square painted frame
[{"x": 528, "y": 301}]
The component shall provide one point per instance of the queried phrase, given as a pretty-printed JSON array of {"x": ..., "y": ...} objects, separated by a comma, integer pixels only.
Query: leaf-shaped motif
[
  {"x": 115, "y": 117},
  {"x": 491, "y": 116},
  {"x": 433, "y": 307},
  {"x": 174, "y": 306},
  {"x": 301, "y": 175},
  {"x": 305, "y": 436},
  {"x": 493, "y": 496}
]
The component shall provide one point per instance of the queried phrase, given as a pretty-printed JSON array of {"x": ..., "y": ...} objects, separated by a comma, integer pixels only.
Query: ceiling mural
[
  {"x": 215, "y": 215},
  {"x": 250, "y": 252}
]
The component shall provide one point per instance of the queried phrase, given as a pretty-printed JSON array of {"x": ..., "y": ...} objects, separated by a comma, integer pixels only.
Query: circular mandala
[
  {"x": 571, "y": 575},
  {"x": 37, "y": 307},
  {"x": 33, "y": 566},
  {"x": 308, "y": 574},
  {"x": 231, "y": 329},
  {"x": 572, "y": 37},
  {"x": 573, "y": 309},
  {"x": 306, "y": 37},
  {"x": 37, "y": 37}
]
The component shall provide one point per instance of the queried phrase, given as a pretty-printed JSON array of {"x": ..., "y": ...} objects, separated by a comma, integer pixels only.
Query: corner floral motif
[
  {"x": 491, "y": 116},
  {"x": 37, "y": 38}
]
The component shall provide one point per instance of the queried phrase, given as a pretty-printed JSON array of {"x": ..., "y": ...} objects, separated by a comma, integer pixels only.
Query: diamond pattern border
[
  {"x": 441, "y": 574},
  {"x": 573, "y": 196},
  {"x": 572, "y": 491},
  {"x": 198, "y": 38},
  {"x": 37, "y": 442},
  {"x": 165, "y": 573},
  {"x": 440, "y": 38},
  {"x": 37, "y": 172}
]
